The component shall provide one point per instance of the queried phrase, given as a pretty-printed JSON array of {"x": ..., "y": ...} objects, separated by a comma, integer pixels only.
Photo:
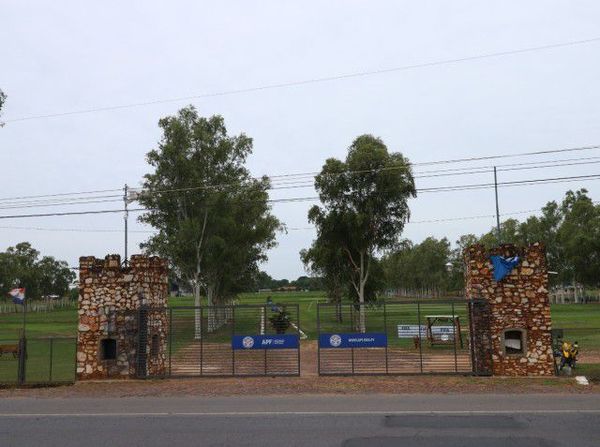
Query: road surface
[{"x": 366, "y": 421}]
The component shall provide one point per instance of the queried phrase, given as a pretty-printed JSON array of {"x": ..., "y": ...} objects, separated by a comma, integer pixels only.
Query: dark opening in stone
[
  {"x": 514, "y": 341},
  {"x": 108, "y": 349},
  {"x": 154, "y": 346}
]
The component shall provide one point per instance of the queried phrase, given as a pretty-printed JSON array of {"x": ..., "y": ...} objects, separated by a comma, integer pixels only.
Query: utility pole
[
  {"x": 497, "y": 208},
  {"x": 125, "y": 218}
]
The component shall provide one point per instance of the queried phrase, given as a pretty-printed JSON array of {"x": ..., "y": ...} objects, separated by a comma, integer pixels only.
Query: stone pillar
[
  {"x": 110, "y": 299},
  {"x": 518, "y": 312}
]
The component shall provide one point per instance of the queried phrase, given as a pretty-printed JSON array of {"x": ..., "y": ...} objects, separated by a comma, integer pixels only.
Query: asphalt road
[{"x": 366, "y": 421}]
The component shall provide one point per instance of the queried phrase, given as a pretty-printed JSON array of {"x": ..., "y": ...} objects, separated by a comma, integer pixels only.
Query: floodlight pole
[{"x": 497, "y": 208}]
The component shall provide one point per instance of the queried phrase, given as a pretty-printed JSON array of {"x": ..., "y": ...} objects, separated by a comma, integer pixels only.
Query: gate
[
  {"x": 37, "y": 360},
  {"x": 416, "y": 337},
  {"x": 242, "y": 340}
]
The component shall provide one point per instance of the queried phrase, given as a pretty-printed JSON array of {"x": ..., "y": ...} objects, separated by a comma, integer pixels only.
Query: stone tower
[
  {"x": 516, "y": 321},
  {"x": 122, "y": 330}
]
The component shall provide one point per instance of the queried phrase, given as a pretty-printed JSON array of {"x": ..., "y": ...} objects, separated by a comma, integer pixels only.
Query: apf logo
[
  {"x": 247, "y": 342},
  {"x": 335, "y": 340}
]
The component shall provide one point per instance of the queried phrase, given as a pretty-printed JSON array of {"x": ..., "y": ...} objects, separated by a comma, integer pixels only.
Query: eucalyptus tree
[
  {"x": 327, "y": 260},
  {"x": 364, "y": 207},
  {"x": 213, "y": 219}
]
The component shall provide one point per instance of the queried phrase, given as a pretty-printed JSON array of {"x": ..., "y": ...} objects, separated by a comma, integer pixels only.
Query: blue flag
[{"x": 503, "y": 266}]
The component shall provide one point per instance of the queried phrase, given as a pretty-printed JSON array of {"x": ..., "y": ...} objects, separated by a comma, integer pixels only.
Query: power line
[
  {"x": 100, "y": 230},
  {"x": 75, "y": 230},
  {"x": 106, "y": 230},
  {"x": 450, "y": 161},
  {"x": 68, "y": 213},
  {"x": 116, "y": 198},
  {"x": 308, "y": 184},
  {"x": 288, "y": 181},
  {"x": 510, "y": 184},
  {"x": 60, "y": 194},
  {"x": 303, "y": 183},
  {"x": 44, "y": 204},
  {"x": 315, "y": 198},
  {"x": 310, "y": 81}
]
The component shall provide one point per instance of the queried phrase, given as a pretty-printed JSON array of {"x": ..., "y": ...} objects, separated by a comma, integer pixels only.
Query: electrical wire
[
  {"x": 104, "y": 230},
  {"x": 294, "y": 185},
  {"x": 281, "y": 85},
  {"x": 286, "y": 180},
  {"x": 316, "y": 198}
]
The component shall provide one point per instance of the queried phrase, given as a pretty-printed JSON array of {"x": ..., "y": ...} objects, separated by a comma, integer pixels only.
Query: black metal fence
[
  {"x": 416, "y": 337},
  {"x": 37, "y": 360},
  {"x": 242, "y": 340}
]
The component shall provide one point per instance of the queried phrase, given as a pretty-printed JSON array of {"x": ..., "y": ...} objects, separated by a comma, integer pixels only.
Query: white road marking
[{"x": 303, "y": 413}]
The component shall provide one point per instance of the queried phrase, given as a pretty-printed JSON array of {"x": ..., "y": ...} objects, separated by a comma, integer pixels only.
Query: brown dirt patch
[{"x": 306, "y": 385}]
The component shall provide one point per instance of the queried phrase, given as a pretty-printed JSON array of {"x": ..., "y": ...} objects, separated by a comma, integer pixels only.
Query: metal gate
[
  {"x": 243, "y": 340},
  {"x": 416, "y": 337},
  {"x": 37, "y": 360}
]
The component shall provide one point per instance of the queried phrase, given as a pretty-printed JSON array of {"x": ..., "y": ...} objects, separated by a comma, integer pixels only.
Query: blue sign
[
  {"x": 369, "y": 340},
  {"x": 284, "y": 341}
]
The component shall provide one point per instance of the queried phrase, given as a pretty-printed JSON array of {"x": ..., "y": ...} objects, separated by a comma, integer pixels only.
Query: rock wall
[
  {"x": 125, "y": 304},
  {"x": 519, "y": 301}
]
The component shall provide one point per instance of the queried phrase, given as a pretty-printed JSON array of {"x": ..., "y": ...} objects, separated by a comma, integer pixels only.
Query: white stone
[
  {"x": 83, "y": 328},
  {"x": 81, "y": 356}
]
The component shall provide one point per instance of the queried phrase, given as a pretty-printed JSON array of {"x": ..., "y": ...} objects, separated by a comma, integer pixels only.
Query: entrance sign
[
  {"x": 283, "y": 341},
  {"x": 369, "y": 340}
]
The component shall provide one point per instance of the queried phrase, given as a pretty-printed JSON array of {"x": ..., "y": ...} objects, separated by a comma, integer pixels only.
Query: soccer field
[{"x": 584, "y": 319}]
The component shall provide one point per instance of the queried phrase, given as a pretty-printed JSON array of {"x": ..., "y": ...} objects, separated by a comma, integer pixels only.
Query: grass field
[{"x": 54, "y": 360}]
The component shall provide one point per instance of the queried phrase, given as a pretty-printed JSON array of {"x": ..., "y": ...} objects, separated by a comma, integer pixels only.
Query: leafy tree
[
  {"x": 328, "y": 261},
  {"x": 509, "y": 234},
  {"x": 579, "y": 236},
  {"x": 54, "y": 276},
  {"x": 21, "y": 266},
  {"x": 213, "y": 219},
  {"x": 364, "y": 206},
  {"x": 419, "y": 266},
  {"x": 545, "y": 229},
  {"x": 570, "y": 233}
]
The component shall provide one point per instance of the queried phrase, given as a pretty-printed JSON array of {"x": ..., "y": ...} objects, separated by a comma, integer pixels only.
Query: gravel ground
[{"x": 305, "y": 385}]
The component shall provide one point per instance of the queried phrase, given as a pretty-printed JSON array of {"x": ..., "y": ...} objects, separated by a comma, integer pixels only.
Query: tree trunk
[
  {"x": 361, "y": 311},
  {"x": 212, "y": 319},
  {"x": 197, "y": 311}
]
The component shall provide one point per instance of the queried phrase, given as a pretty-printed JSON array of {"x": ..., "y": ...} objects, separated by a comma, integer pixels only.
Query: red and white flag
[{"x": 18, "y": 295}]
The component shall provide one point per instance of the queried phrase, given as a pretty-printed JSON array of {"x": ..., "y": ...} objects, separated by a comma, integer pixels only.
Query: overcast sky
[{"x": 67, "y": 56}]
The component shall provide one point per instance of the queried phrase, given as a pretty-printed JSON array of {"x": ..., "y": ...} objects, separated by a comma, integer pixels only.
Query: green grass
[
  {"x": 581, "y": 323},
  {"x": 40, "y": 324}
]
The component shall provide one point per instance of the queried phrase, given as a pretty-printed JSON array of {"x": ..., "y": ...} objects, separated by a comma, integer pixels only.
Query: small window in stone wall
[
  {"x": 514, "y": 341},
  {"x": 154, "y": 346},
  {"x": 108, "y": 349}
]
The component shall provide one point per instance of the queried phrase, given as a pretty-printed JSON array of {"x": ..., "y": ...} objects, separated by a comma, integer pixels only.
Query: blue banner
[
  {"x": 283, "y": 341},
  {"x": 369, "y": 340}
]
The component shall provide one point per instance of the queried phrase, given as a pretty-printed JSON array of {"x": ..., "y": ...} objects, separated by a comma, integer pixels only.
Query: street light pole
[
  {"x": 125, "y": 218},
  {"x": 497, "y": 208}
]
